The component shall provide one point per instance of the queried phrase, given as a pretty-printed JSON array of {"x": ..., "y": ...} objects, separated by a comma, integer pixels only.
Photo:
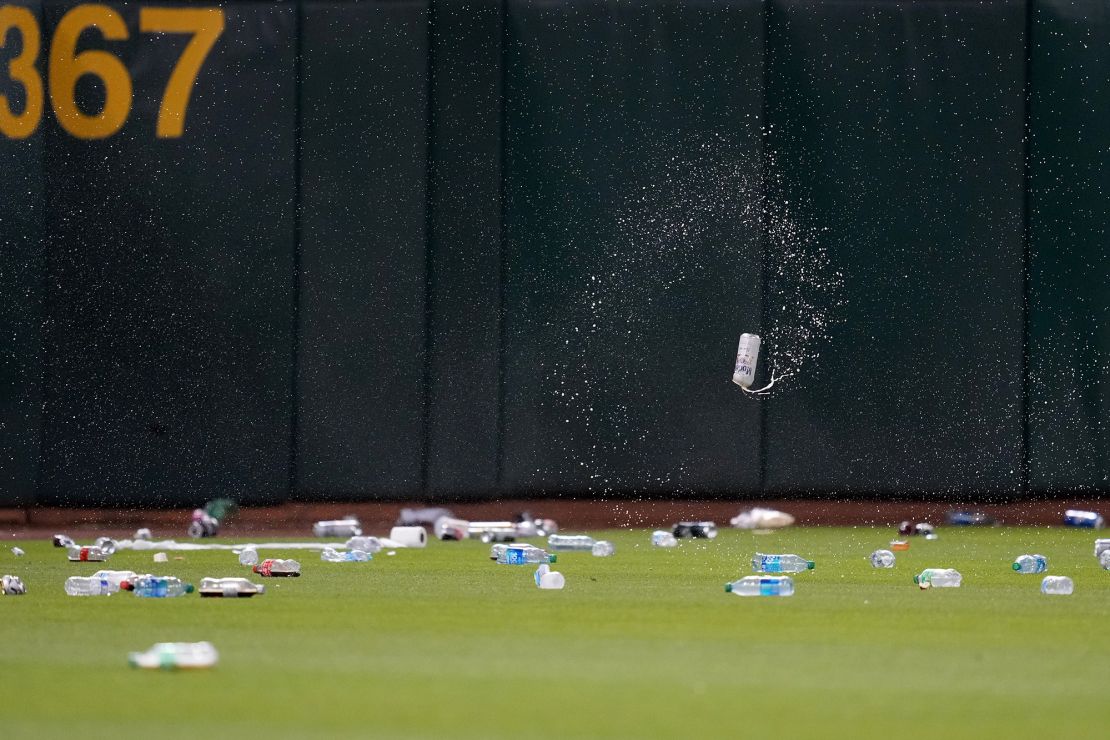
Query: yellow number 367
[{"x": 66, "y": 66}]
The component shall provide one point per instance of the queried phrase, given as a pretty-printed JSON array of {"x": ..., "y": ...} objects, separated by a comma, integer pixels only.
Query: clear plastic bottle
[
  {"x": 603, "y": 549},
  {"x": 1057, "y": 585},
  {"x": 271, "y": 567},
  {"x": 780, "y": 563},
  {"x": 570, "y": 543},
  {"x": 1030, "y": 564},
  {"x": 90, "y": 586},
  {"x": 1083, "y": 519},
  {"x": 90, "y": 554},
  {"x": 107, "y": 544},
  {"x": 1104, "y": 559},
  {"x": 659, "y": 538},
  {"x": 762, "y": 586},
  {"x": 496, "y": 549},
  {"x": 248, "y": 556},
  {"x": 526, "y": 555},
  {"x": 116, "y": 577},
  {"x": 157, "y": 586},
  {"x": 1101, "y": 546},
  {"x": 882, "y": 559},
  {"x": 331, "y": 555},
  {"x": 170, "y": 655},
  {"x": 12, "y": 586},
  {"x": 938, "y": 578},
  {"x": 229, "y": 587},
  {"x": 348, "y": 527},
  {"x": 366, "y": 544}
]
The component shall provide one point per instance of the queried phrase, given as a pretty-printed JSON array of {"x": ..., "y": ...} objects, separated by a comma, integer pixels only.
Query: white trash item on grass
[
  {"x": 12, "y": 586},
  {"x": 18, "y": 552},
  {"x": 348, "y": 527},
  {"x": 90, "y": 554},
  {"x": 570, "y": 543},
  {"x": 248, "y": 556},
  {"x": 762, "y": 563},
  {"x": 660, "y": 538},
  {"x": 759, "y": 518},
  {"x": 1057, "y": 586},
  {"x": 603, "y": 549},
  {"x": 548, "y": 579},
  {"x": 1101, "y": 546},
  {"x": 366, "y": 544},
  {"x": 161, "y": 557},
  {"x": 1104, "y": 559},
  {"x": 408, "y": 537},
  {"x": 882, "y": 559},
  {"x": 331, "y": 555},
  {"x": 91, "y": 586},
  {"x": 938, "y": 578},
  {"x": 1030, "y": 564},
  {"x": 142, "y": 534},
  {"x": 116, "y": 577},
  {"x": 229, "y": 587},
  {"x": 170, "y": 655}
]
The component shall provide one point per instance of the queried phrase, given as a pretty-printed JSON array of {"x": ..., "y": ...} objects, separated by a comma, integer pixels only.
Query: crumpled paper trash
[{"x": 760, "y": 518}]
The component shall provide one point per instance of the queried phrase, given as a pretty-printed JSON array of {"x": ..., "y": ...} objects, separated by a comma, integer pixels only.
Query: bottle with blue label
[
  {"x": 524, "y": 555},
  {"x": 1083, "y": 519},
  {"x": 1030, "y": 564},
  {"x": 762, "y": 586},
  {"x": 780, "y": 563}
]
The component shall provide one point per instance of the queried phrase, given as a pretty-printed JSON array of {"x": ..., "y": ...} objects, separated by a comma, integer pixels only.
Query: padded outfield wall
[{"x": 346, "y": 250}]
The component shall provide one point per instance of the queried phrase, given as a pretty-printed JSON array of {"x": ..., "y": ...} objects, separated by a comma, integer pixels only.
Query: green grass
[{"x": 442, "y": 642}]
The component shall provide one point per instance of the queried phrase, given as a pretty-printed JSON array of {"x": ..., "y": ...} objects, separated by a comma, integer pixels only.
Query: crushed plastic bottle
[
  {"x": 171, "y": 655},
  {"x": 62, "y": 540},
  {"x": 349, "y": 527},
  {"x": 90, "y": 554},
  {"x": 524, "y": 555},
  {"x": 331, "y": 555},
  {"x": 882, "y": 559},
  {"x": 1101, "y": 546},
  {"x": 1057, "y": 586},
  {"x": 157, "y": 587},
  {"x": 695, "y": 530},
  {"x": 938, "y": 578},
  {"x": 570, "y": 543},
  {"x": 450, "y": 528},
  {"x": 248, "y": 556},
  {"x": 107, "y": 544},
  {"x": 1083, "y": 519},
  {"x": 762, "y": 586},
  {"x": 780, "y": 563},
  {"x": 548, "y": 579},
  {"x": 659, "y": 538},
  {"x": 1030, "y": 564},
  {"x": 603, "y": 549},
  {"x": 496, "y": 549},
  {"x": 274, "y": 568},
  {"x": 229, "y": 588},
  {"x": 18, "y": 552},
  {"x": 12, "y": 586},
  {"x": 1104, "y": 559},
  {"x": 371, "y": 545},
  {"x": 492, "y": 531}
]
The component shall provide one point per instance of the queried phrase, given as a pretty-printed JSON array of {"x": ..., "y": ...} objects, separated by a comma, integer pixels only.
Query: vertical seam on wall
[
  {"x": 44, "y": 315},
  {"x": 1026, "y": 225},
  {"x": 764, "y": 198},
  {"x": 429, "y": 247},
  {"x": 298, "y": 216},
  {"x": 502, "y": 243}
]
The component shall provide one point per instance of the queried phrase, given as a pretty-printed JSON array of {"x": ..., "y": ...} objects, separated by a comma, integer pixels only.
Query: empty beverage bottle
[
  {"x": 1030, "y": 564},
  {"x": 762, "y": 586},
  {"x": 12, "y": 586},
  {"x": 1057, "y": 585},
  {"x": 62, "y": 540},
  {"x": 248, "y": 556},
  {"x": 1101, "y": 546},
  {"x": 1084, "y": 519},
  {"x": 659, "y": 538},
  {"x": 170, "y": 655},
  {"x": 116, "y": 577},
  {"x": 229, "y": 588},
  {"x": 1104, "y": 559},
  {"x": 603, "y": 549},
  {"x": 882, "y": 559},
  {"x": 90, "y": 586},
  {"x": 496, "y": 549},
  {"x": 271, "y": 567},
  {"x": 90, "y": 554},
  {"x": 366, "y": 544},
  {"x": 780, "y": 563},
  {"x": 524, "y": 555},
  {"x": 938, "y": 578},
  {"x": 695, "y": 530},
  {"x": 107, "y": 544},
  {"x": 157, "y": 587},
  {"x": 348, "y": 527},
  {"x": 570, "y": 542},
  {"x": 331, "y": 555}
]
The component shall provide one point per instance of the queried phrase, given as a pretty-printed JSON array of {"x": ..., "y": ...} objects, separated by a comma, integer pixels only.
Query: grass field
[{"x": 442, "y": 642}]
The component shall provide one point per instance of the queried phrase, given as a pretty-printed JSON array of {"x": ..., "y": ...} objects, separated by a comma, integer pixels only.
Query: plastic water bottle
[
  {"x": 157, "y": 586},
  {"x": 170, "y": 655},
  {"x": 882, "y": 559},
  {"x": 249, "y": 556},
  {"x": 524, "y": 555},
  {"x": 90, "y": 586},
  {"x": 331, "y": 555},
  {"x": 63, "y": 540},
  {"x": 229, "y": 587},
  {"x": 1104, "y": 559},
  {"x": 348, "y": 527},
  {"x": 271, "y": 567},
  {"x": 12, "y": 586},
  {"x": 107, "y": 544},
  {"x": 762, "y": 586},
  {"x": 570, "y": 542},
  {"x": 366, "y": 544},
  {"x": 1057, "y": 585},
  {"x": 747, "y": 355},
  {"x": 1030, "y": 564},
  {"x": 695, "y": 530},
  {"x": 116, "y": 577},
  {"x": 780, "y": 563},
  {"x": 90, "y": 554},
  {"x": 1101, "y": 546},
  {"x": 1083, "y": 519},
  {"x": 659, "y": 538},
  {"x": 938, "y": 578},
  {"x": 603, "y": 549}
]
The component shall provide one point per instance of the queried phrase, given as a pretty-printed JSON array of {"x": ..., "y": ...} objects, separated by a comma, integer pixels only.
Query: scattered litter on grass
[
  {"x": 408, "y": 537},
  {"x": 762, "y": 586},
  {"x": 230, "y": 588},
  {"x": 18, "y": 552},
  {"x": 1084, "y": 519},
  {"x": 12, "y": 586},
  {"x": 171, "y": 655},
  {"x": 938, "y": 578},
  {"x": 660, "y": 538},
  {"x": 548, "y": 579},
  {"x": 161, "y": 557},
  {"x": 882, "y": 559},
  {"x": 1057, "y": 586},
  {"x": 899, "y": 545},
  {"x": 761, "y": 518},
  {"x": 142, "y": 534},
  {"x": 278, "y": 568},
  {"x": 331, "y": 555},
  {"x": 422, "y": 517},
  {"x": 346, "y": 527},
  {"x": 762, "y": 563},
  {"x": 695, "y": 530}
]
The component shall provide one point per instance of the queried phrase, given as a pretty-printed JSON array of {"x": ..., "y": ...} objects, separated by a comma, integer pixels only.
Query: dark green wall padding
[{"x": 450, "y": 248}]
